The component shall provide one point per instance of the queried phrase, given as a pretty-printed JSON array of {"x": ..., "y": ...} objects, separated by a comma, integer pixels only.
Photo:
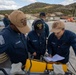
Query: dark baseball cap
[
  {"x": 42, "y": 14},
  {"x": 38, "y": 24}
]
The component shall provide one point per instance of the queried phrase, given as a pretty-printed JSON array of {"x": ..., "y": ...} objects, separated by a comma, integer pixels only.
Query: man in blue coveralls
[
  {"x": 12, "y": 38},
  {"x": 6, "y": 20},
  {"x": 60, "y": 41},
  {"x": 42, "y": 17},
  {"x": 37, "y": 40}
]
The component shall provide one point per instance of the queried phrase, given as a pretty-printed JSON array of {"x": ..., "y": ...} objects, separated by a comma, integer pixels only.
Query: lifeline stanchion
[
  {"x": 72, "y": 66},
  {"x": 1, "y": 69}
]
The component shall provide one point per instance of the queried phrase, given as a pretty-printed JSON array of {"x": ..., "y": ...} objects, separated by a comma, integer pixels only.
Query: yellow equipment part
[
  {"x": 37, "y": 66},
  {"x": 50, "y": 67}
]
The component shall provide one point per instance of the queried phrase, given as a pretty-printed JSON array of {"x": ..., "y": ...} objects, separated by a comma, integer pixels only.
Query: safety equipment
[{"x": 36, "y": 66}]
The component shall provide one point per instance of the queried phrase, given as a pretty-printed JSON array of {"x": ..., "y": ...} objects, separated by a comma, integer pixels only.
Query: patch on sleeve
[{"x": 2, "y": 41}]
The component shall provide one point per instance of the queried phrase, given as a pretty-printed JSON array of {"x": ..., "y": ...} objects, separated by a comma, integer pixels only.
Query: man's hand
[{"x": 34, "y": 54}]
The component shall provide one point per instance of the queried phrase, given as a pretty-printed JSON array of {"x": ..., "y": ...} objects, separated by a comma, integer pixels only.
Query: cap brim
[
  {"x": 24, "y": 29},
  {"x": 56, "y": 30}
]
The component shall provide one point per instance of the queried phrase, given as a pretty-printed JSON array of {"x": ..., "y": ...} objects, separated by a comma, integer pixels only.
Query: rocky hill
[
  {"x": 48, "y": 8},
  {"x": 40, "y": 7}
]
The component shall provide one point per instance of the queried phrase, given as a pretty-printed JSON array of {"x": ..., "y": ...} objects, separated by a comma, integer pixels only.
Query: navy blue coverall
[
  {"x": 36, "y": 43},
  {"x": 14, "y": 44},
  {"x": 46, "y": 28},
  {"x": 61, "y": 46},
  {"x": 6, "y": 21}
]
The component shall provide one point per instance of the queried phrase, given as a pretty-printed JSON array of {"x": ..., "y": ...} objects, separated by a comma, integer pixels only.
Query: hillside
[
  {"x": 5, "y": 11},
  {"x": 39, "y": 7},
  {"x": 48, "y": 8}
]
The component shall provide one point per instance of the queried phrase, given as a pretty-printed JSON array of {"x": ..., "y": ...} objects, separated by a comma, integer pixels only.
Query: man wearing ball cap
[
  {"x": 37, "y": 39},
  {"x": 60, "y": 40},
  {"x": 12, "y": 38}
]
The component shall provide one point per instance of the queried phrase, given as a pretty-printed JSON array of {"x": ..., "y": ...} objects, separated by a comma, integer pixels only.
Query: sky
[{"x": 15, "y": 4}]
